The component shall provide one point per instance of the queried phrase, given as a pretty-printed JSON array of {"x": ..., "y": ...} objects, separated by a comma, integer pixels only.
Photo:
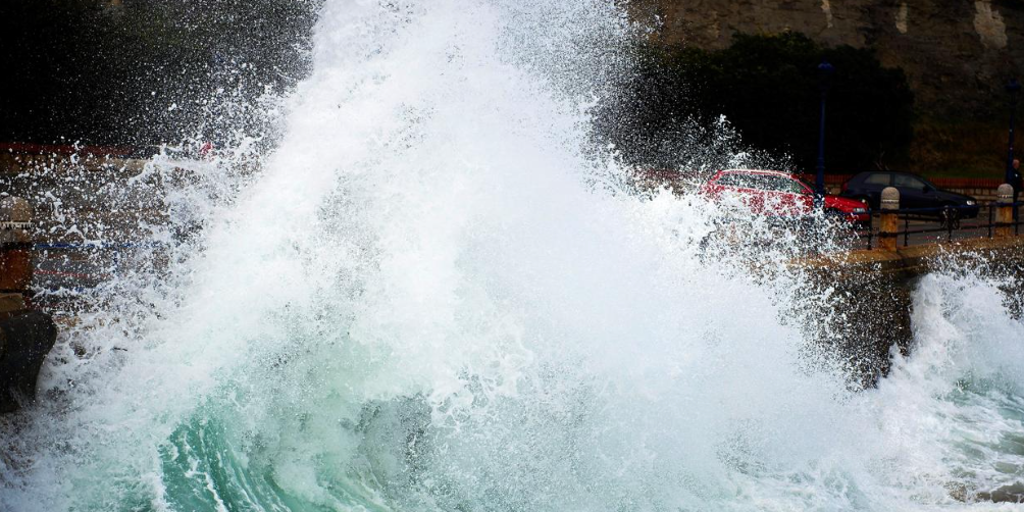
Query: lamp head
[{"x": 1013, "y": 87}]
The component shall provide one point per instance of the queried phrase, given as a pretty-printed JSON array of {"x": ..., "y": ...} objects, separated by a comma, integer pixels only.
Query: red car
[{"x": 778, "y": 193}]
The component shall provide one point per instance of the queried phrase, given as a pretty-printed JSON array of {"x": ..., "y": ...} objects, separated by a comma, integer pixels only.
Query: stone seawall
[{"x": 873, "y": 288}]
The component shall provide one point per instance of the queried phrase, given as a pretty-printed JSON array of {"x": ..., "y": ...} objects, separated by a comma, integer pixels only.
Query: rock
[{"x": 25, "y": 339}]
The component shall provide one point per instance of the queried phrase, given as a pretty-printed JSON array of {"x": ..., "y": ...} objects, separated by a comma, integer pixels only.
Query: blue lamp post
[
  {"x": 1013, "y": 88},
  {"x": 825, "y": 71}
]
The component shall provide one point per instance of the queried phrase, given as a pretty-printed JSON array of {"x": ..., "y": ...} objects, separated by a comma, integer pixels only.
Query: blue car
[{"x": 915, "y": 192}]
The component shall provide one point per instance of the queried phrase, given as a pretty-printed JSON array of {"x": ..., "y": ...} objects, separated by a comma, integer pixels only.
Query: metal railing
[{"x": 945, "y": 219}]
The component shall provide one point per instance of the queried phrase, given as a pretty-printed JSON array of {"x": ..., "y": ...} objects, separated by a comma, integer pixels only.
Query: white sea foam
[{"x": 435, "y": 295}]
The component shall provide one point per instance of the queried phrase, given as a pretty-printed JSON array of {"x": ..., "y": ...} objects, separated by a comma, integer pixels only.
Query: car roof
[
  {"x": 759, "y": 171},
  {"x": 863, "y": 173}
]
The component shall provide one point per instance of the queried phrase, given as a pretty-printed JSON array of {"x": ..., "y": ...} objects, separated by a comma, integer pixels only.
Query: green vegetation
[{"x": 767, "y": 86}]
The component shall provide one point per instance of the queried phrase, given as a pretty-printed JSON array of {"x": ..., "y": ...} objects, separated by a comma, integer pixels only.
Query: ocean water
[{"x": 436, "y": 293}]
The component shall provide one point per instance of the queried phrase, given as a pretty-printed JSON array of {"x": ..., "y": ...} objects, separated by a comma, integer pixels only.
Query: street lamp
[
  {"x": 1013, "y": 88},
  {"x": 825, "y": 71}
]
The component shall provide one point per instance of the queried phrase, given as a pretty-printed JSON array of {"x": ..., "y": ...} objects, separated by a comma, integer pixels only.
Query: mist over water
[{"x": 436, "y": 293}]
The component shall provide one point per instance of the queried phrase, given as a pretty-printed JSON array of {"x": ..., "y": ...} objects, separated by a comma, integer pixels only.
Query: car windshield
[
  {"x": 908, "y": 181},
  {"x": 879, "y": 178},
  {"x": 787, "y": 184}
]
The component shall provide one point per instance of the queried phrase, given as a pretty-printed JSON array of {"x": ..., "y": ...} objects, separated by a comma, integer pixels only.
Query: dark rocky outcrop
[{"x": 26, "y": 337}]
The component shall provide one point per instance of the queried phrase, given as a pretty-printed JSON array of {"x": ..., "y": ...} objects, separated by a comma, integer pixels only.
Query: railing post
[
  {"x": 890, "y": 222},
  {"x": 15, "y": 251},
  {"x": 1004, "y": 211}
]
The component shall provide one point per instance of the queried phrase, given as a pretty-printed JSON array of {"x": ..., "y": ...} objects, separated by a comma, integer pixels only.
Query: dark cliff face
[
  {"x": 142, "y": 72},
  {"x": 957, "y": 54}
]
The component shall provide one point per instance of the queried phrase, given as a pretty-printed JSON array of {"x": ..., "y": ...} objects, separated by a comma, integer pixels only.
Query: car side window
[
  {"x": 879, "y": 178},
  {"x": 740, "y": 180},
  {"x": 904, "y": 181},
  {"x": 773, "y": 183},
  {"x": 779, "y": 183},
  {"x": 727, "y": 180},
  {"x": 753, "y": 181}
]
